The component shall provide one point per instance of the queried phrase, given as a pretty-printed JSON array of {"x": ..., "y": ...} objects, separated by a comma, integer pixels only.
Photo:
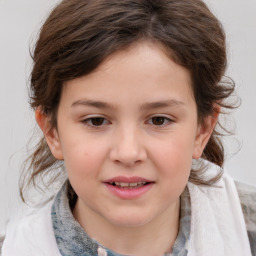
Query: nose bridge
[{"x": 128, "y": 147}]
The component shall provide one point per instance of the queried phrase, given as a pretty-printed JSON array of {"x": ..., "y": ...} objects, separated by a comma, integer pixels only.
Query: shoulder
[
  {"x": 217, "y": 208},
  {"x": 247, "y": 196},
  {"x": 31, "y": 233}
]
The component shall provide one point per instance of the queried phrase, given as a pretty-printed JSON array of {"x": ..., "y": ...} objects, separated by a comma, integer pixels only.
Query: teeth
[
  {"x": 133, "y": 184},
  {"x": 123, "y": 184}
]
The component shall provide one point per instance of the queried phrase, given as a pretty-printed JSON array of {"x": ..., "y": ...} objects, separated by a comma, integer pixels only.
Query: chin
[{"x": 131, "y": 220}]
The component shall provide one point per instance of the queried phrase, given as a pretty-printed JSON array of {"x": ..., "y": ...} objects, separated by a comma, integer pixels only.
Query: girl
[{"x": 128, "y": 94}]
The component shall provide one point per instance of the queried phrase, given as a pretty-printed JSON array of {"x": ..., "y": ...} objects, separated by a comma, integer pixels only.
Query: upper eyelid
[
  {"x": 168, "y": 121},
  {"x": 107, "y": 118},
  {"x": 162, "y": 115},
  {"x": 85, "y": 117},
  {"x": 89, "y": 117},
  {"x": 95, "y": 117}
]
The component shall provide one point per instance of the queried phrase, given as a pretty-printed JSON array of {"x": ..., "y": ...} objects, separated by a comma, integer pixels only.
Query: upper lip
[{"x": 124, "y": 179}]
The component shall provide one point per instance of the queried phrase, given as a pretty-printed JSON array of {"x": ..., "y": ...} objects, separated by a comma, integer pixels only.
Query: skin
[{"x": 129, "y": 139}]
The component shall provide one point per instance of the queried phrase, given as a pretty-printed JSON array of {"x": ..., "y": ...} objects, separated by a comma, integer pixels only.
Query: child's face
[{"x": 134, "y": 120}]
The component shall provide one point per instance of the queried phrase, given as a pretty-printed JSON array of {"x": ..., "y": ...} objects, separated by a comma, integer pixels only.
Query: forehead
[
  {"x": 145, "y": 56},
  {"x": 143, "y": 69}
]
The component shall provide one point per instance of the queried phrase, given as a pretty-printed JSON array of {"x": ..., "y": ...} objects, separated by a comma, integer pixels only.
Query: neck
[{"x": 154, "y": 238}]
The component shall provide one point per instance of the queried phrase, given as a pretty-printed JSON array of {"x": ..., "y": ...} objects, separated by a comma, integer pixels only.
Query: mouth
[
  {"x": 126, "y": 185},
  {"x": 128, "y": 182}
]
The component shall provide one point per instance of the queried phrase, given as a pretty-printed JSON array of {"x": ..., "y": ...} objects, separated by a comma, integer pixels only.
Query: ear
[
  {"x": 50, "y": 133},
  {"x": 204, "y": 132}
]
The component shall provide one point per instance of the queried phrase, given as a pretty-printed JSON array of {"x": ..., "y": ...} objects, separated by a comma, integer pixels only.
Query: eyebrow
[
  {"x": 92, "y": 103},
  {"x": 162, "y": 104},
  {"x": 145, "y": 106}
]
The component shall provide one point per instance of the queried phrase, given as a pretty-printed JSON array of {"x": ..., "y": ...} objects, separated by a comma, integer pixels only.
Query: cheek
[
  {"x": 174, "y": 169},
  {"x": 175, "y": 154},
  {"x": 173, "y": 161},
  {"x": 83, "y": 159}
]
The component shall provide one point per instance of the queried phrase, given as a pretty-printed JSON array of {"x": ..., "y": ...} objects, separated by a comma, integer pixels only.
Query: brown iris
[
  {"x": 158, "y": 120},
  {"x": 97, "y": 121}
]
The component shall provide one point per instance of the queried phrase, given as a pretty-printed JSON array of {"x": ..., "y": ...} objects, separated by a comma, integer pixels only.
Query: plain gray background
[{"x": 20, "y": 21}]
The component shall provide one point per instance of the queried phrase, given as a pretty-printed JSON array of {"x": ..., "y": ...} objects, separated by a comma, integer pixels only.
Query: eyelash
[
  {"x": 89, "y": 121},
  {"x": 164, "y": 121}
]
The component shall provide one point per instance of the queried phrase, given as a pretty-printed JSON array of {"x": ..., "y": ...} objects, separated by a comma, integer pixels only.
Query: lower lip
[{"x": 129, "y": 193}]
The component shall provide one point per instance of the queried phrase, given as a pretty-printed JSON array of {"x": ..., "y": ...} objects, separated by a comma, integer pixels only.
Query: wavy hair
[{"x": 79, "y": 35}]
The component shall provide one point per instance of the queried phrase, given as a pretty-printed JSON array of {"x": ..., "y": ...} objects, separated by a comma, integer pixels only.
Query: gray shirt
[{"x": 73, "y": 240}]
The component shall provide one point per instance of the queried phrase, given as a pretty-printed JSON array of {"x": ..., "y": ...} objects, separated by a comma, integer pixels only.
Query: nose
[{"x": 128, "y": 147}]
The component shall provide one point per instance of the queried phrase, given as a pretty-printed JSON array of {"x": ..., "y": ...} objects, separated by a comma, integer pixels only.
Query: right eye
[
  {"x": 160, "y": 121},
  {"x": 95, "y": 121}
]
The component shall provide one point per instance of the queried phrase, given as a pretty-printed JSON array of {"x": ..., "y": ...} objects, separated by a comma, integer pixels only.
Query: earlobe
[
  {"x": 50, "y": 133},
  {"x": 204, "y": 132}
]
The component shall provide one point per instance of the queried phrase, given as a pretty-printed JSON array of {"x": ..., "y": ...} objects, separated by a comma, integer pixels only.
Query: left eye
[
  {"x": 159, "y": 120},
  {"x": 95, "y": 121}
]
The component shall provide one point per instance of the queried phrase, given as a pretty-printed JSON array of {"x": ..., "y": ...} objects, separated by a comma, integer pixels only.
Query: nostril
[{"x": 128, "y": 150}]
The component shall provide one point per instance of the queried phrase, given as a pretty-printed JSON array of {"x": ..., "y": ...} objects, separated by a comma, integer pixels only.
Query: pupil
[
  {"x": 158, "y": 120},
  {"x": 97, "y": 121}
]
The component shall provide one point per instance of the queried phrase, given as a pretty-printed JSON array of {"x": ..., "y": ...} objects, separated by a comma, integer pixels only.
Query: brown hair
[{"x": 80, "y": 34}]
